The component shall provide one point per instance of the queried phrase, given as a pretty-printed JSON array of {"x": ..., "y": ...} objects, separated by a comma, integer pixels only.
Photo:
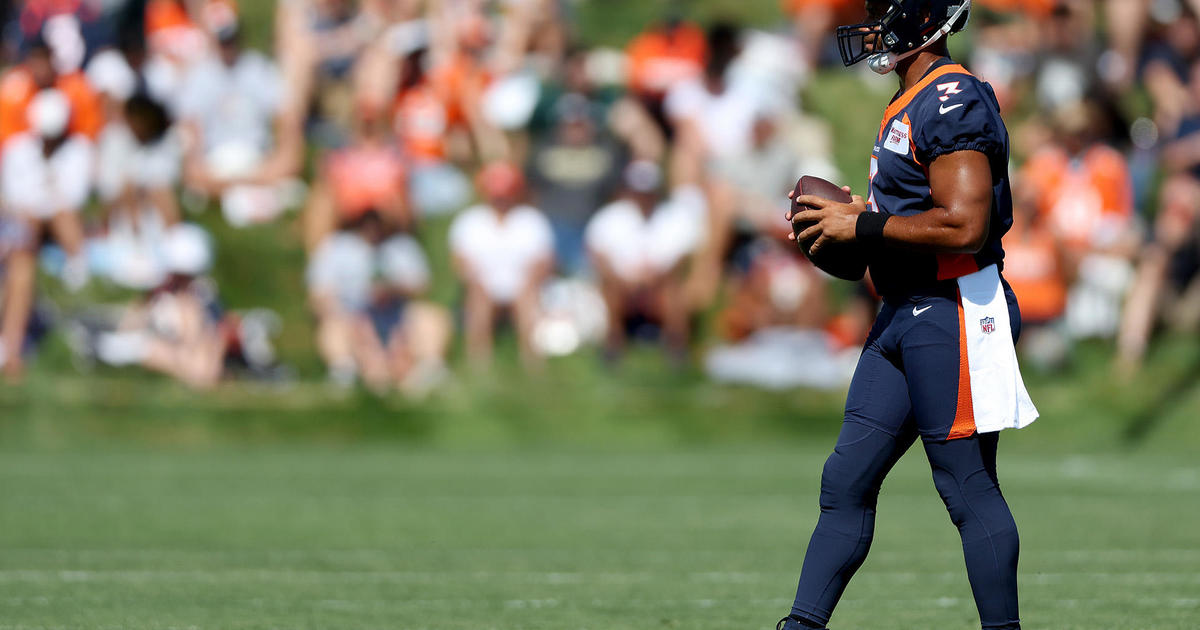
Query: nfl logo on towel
[{"x": 987, "y": 324}]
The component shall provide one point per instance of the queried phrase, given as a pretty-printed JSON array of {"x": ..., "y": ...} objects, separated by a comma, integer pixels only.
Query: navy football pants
[{"x": 906, "y": 386}]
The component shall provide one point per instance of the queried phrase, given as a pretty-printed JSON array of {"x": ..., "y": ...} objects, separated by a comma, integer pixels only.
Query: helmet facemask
[{"x": 859, "y": 41}]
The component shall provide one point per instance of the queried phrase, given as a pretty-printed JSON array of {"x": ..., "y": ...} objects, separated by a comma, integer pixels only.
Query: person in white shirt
[
  {"x": 246, "y": 145},
  {"x": 503, "y": 251},
  {"x": 45, "y": 178},
  {"x": 640, "y": 246},
  {"x": 138, "y": 169},
  {"x": 365, "y": 284},
  {"x": 178, "y": 328}
]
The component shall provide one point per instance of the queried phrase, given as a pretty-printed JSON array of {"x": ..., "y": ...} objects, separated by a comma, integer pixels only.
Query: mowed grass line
[{"x": 392, "y": 538}]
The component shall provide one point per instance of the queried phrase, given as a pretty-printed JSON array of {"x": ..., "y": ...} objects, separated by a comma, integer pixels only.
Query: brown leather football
[{"x": 842, "y": 260}]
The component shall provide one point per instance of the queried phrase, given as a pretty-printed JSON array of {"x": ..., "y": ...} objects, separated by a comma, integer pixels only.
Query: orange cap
[{"x": 500, "y": 179}]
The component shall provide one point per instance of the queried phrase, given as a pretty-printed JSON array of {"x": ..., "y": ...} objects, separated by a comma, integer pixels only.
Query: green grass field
[{"x": 379, "y": 537}]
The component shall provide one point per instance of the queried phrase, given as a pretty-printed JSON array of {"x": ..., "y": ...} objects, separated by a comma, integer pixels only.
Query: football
[{"x": 841, "y": 260}]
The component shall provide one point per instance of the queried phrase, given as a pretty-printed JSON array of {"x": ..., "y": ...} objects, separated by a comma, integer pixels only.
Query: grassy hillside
[{"x": 576, "y": 401}]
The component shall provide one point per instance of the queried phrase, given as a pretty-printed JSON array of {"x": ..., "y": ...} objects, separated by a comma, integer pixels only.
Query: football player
[{"x": 939, "y": 363}]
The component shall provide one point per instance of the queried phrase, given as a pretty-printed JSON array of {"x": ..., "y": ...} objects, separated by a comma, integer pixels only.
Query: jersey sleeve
[{"x": 959, "y": 114}]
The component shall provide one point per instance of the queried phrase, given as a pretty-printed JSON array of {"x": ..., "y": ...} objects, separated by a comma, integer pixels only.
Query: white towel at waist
[{"x": 998, "y": 394}]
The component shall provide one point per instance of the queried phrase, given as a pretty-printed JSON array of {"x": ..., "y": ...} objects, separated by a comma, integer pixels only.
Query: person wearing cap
[
  {"x": 245, "y": 145},
  {"x": 639, "y": 246},
  {"x": 572, "y": 173},
  {"x": 503, "y": 251},
  {"x": 45, "y": 178}
]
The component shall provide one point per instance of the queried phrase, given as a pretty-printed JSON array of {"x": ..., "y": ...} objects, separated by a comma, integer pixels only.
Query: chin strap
[{"x": 883, "y": 63}]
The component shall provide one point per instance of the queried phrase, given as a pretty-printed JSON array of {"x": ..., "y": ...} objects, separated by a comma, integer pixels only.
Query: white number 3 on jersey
[{"x": 948, "y": 90}]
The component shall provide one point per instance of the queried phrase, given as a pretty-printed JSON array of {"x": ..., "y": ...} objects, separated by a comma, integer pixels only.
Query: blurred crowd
[{"x": 594, "y": 197}]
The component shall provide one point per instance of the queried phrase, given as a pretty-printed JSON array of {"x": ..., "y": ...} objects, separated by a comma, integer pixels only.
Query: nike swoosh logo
[
  {"x": 917, "y": 311},
  {"x": 943, "y": 109}
]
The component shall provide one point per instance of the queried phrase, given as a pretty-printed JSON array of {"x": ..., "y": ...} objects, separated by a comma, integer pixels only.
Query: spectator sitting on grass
[
  {"x": 364, "y": 283},
  {"x": 428, "y": 128},
  {"x": 137, "y": 171},
  {"x": 1167, "y": 284},
  {"x": 503, "y": 251},
  {"x": 1034, "y": 266},
  {"x": 640, "y": 247},
  {"x": 778, "y": 327},
  {"x": 246, "y": 147},
  {"x": 573, "y": 172},
  {"x": 20, "y": 84},
  {"x": 179, "y": 329},
  {"x": 714, "y": 121},
  {"x": 45, "y": 178},
  {"x": 17, "y": 274},
  {"x": 624, "y": 117},
  {"x": 661, "y": 57},
  {"x": 1084, "y": 192},
  {"x": 369, "y": 174}
]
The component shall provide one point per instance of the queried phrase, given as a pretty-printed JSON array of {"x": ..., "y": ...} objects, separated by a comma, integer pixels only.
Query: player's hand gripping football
[{"x": 833, "y": 222}]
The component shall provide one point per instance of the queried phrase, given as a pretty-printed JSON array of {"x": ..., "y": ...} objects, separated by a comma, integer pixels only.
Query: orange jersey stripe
[
  {"x": 964, "y": 415},
  {"x": 950, "y": 266}
]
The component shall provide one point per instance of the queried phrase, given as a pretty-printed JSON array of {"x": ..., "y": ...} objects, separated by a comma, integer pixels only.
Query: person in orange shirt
[
  {"x": 1036, "y": 270},
  {"x": 22, "y": 82},
  {"x": 662, "y": 57},
  {"x": 665, "y": 55},
  {"x": 434, "y": 113},
  {"x": 368, "y": 176},
  {"x": 1084, "y": 193},
  {"x": 421, "y": 116},
  {"x": 177, "y": 28},
  {"x": 1082, "y": 187}
]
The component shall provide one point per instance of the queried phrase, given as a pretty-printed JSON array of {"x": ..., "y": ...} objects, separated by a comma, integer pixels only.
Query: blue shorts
[
  {"x": 913, "y": 370},
  {"x": 386, "y": 316}
]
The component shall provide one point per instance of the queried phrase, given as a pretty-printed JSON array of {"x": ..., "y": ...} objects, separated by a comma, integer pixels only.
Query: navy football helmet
[{"x": 899, "y": 28}]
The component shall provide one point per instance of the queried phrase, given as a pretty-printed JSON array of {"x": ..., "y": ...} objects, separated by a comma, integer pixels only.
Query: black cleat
[{"x": 791, "y": 623}]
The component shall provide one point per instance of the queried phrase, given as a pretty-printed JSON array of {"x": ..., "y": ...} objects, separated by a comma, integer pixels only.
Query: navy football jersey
[{"x": 946, "y": 111}]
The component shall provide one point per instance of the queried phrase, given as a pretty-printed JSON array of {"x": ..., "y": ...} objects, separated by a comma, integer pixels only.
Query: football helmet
[{"x": 897, "y": 29}]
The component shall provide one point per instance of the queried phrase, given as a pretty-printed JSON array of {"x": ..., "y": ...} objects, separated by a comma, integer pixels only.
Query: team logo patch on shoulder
[
  {"x": 897, "y": 138},
  {"x": 987, "y": 325}
]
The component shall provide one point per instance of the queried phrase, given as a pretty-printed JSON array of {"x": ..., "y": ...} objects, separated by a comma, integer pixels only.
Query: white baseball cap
[
  {"x": 187, "y": 250},
  {"x": 49, "y": 113},
  {"x": 110, "y": 74}
]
